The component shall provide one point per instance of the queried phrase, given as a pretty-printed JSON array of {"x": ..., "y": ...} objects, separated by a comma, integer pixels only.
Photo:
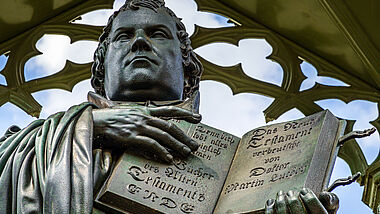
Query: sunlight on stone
[
  {"x": 365, "y": 112},
  {"x": 312, "y": 77}
]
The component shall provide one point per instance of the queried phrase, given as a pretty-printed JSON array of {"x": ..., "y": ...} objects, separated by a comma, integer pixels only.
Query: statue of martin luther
[{"x": 144, "y": 55}]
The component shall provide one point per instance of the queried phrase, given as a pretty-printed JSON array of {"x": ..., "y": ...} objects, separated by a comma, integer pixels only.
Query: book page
[
  {"x": 189, "y": 185},
  {"x": 273, "y": 158}
]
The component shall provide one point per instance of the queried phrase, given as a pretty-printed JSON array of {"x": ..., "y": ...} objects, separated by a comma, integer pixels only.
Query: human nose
[{"x": 141, "y": 42}]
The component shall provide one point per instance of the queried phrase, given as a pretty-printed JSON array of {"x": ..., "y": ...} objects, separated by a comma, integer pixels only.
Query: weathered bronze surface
[
  {"x": 56, "y": 165},
  {"x": 138, "y": 68},
  {"x": 189, "y": 185},
  {"x": 285, "y": 156}
]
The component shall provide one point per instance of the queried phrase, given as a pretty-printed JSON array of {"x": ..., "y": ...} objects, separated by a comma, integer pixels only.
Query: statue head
[{"x": 145, "y": 54}]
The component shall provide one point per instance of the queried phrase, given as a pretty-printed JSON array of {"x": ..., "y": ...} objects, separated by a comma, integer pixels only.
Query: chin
[
  {"x": 143, "y": 95},
  {"x": 152, "y": 95}
]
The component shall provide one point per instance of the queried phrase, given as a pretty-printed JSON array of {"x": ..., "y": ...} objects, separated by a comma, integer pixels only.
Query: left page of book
[{"x": 191, "y": 185}]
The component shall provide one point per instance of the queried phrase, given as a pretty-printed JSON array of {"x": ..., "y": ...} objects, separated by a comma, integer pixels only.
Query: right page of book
[{"x": 285, "y": 156}]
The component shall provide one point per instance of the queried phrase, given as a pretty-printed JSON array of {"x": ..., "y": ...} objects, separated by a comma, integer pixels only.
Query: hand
[
  {"x": 139, "y": 127},
  {"x": 305, "y": 202}
]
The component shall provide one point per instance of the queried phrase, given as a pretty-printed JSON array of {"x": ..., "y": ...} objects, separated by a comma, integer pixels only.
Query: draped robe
[{"x": 51, "y": 167}]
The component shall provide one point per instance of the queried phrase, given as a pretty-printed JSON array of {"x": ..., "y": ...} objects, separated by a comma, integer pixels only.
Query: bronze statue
[{"x": 144, "y": 55}]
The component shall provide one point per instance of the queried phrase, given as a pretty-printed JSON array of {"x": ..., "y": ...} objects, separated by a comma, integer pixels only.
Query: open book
[{"x": 228, "y": 174}]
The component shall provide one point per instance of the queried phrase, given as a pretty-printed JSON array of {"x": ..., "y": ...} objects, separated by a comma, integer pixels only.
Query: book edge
[{"x": 323, "y": 151}]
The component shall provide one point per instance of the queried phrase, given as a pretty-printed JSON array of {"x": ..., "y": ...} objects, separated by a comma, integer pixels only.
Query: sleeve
[{"x": 47, "y": 167}]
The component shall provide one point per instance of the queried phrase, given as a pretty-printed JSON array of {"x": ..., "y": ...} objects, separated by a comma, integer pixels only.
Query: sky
[{"x": 235, "y": 114}]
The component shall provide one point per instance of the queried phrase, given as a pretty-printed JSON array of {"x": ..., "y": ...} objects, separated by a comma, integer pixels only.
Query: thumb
[{"x": 330, "y": 201}]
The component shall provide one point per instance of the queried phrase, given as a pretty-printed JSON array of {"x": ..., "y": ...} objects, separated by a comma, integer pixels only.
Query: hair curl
[{"x": 191, "y": 64}]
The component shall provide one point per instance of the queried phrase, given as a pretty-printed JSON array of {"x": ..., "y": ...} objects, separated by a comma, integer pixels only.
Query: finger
[
  {"x": 174, "y": 131},
  {"x": 311, "y": 202},
  {"x": 281, "y": 203},
  {"x": 165, "y": 139},
  {"x": 269, "y": 207},
  {"x": 149, "y": 144},
  {"x": 175, "y": 112},
  {"x": 330, "y": 201},
  {"x": 294, "y": 203}
]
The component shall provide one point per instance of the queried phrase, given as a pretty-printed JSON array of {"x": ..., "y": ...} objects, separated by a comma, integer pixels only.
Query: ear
[
  {"x": 186, "y": 80},
  {"x": 186, "y": 85}
]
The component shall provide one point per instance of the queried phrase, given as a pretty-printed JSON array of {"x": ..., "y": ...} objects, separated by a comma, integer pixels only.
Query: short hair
[{"x": 191, "y": 65}]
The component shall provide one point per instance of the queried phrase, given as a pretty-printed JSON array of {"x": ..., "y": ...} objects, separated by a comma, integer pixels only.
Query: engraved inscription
[
  {"x": 212, "y": 143},
  {"x": 271, "y": 160},
  {"x": 190, "y": 185},
  {"x": 187, "y": 208},
  {"x": 167, "y": 202},
  {"x": 273, "y": 152},
  {"x": 136, "y": 172},
  {"x": 151, "y": 195},
  {"x": 163, "y": 201},
  {"x": 132, "y": 188},
  {"x": 257, "y": 171},
  {"x": 244, "y": 185}
]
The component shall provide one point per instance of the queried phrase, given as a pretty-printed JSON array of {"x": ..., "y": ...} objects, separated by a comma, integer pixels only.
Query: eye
[
  {"x": 124, "y": 36},
  {"x": 159, "y": 34}
]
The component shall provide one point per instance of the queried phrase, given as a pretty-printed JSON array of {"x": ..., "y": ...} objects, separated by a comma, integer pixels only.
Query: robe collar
[{"x": 191, "y": 104}]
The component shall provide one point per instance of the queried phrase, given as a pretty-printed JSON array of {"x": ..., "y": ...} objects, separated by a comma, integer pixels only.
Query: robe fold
[{"x": 51, "y": 167}]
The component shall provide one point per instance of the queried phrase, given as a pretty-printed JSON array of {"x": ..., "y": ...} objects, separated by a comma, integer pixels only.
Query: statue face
[{"x": 143, "y": 61}]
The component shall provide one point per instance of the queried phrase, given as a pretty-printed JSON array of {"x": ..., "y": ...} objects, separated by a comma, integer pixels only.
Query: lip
[{"x": 135, "y": 58}]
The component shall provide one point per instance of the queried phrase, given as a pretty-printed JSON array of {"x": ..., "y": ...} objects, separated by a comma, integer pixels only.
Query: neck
[{"x": 191, "y": 104}]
